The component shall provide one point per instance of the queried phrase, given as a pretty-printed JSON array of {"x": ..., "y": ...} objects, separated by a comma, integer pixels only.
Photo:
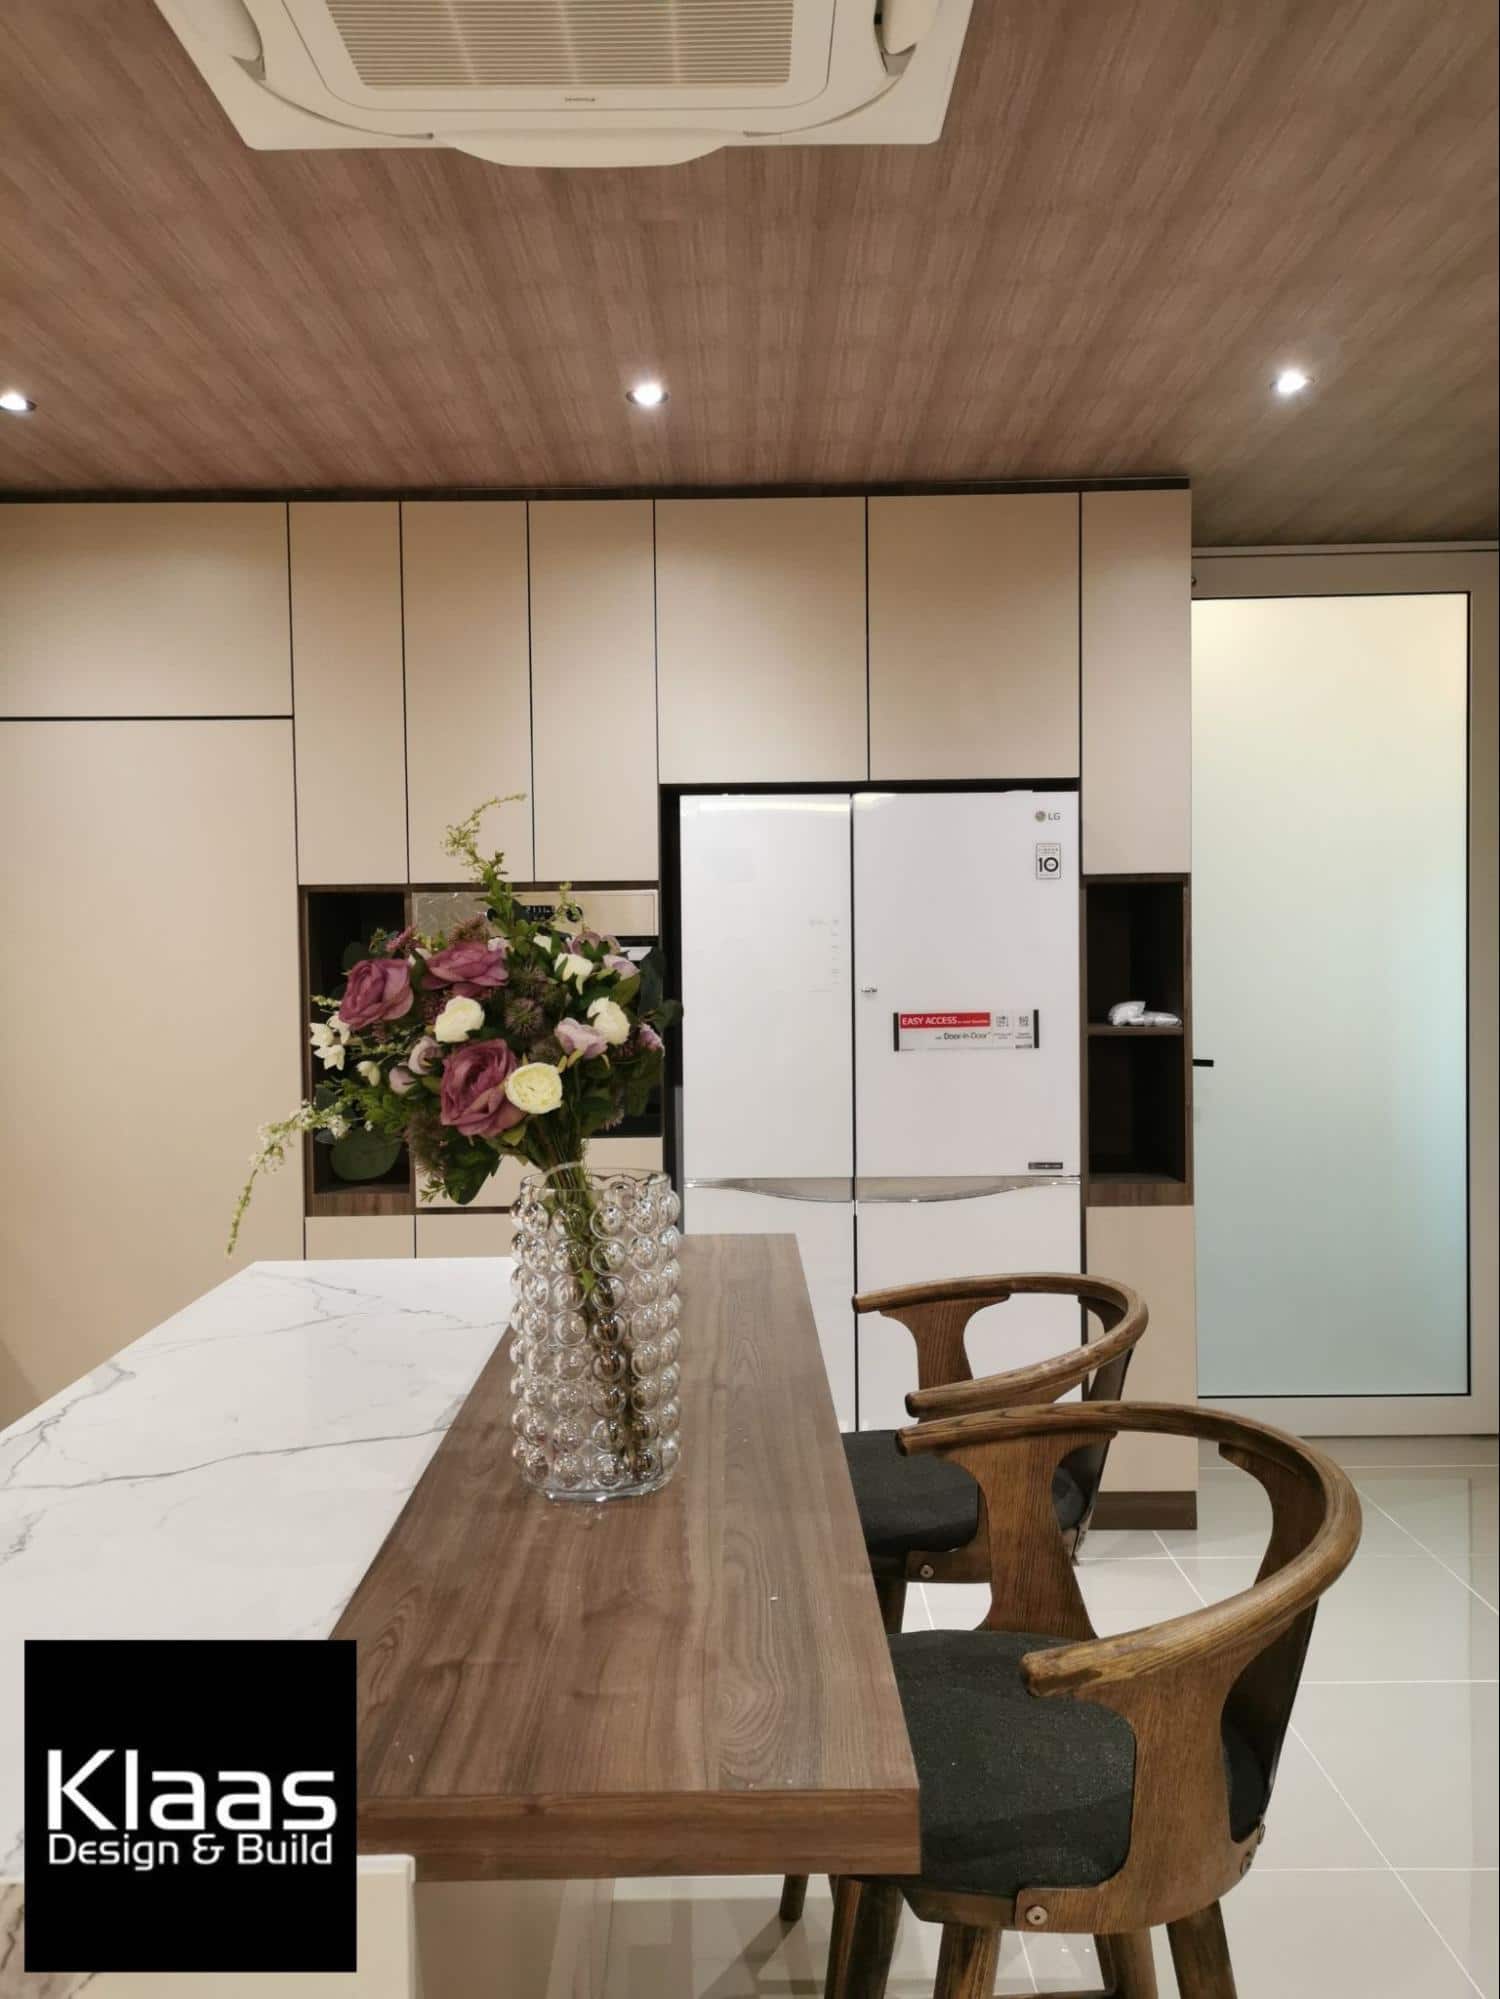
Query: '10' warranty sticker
[{"x": 925, "y": 1032}]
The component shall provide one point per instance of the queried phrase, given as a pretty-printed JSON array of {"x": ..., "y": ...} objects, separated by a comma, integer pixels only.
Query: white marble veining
[{"x": 233, "y": 1473}]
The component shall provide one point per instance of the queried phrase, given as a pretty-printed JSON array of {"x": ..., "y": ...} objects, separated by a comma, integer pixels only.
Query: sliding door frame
[{"x": 1469, "y": 570}]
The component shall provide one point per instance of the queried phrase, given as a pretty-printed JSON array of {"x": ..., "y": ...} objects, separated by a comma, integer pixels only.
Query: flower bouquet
[{"x": 513, "y": 1035}]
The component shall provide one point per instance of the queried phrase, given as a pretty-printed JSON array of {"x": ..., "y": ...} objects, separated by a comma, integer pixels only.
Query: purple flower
[
  {"x": 620, "y": 965},
  {"x": 474, "y": 1100},
  {"x": 378, "y": 989},
  {"x": 472, "y": 969},
  {"x": 424, "y": 1057},
  {"x": 574, "y": 1038},
  {"x": 401, "y": 1079},
  {"x": 648, "y": 1037},
  {"x": 399, "y": 945}
]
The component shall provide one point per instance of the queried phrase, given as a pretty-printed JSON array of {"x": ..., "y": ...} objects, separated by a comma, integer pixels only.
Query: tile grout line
[
  {"x": 1318, "y": 1763},
  {"x": 1431, "y": 1553},
  {"x": 1293, "y": 1729}
]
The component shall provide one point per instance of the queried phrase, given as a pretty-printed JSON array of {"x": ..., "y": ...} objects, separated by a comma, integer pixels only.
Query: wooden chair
[
  {"x": 1091, "y": 1785},
  {"x": 924, "y": 1516}
]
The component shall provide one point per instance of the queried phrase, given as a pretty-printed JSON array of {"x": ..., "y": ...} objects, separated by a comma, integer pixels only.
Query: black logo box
[{"x": 274, "y": 1707}]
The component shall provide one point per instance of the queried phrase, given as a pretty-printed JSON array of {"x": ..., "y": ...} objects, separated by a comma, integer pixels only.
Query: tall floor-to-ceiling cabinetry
[{"x": 393, "y": 662}]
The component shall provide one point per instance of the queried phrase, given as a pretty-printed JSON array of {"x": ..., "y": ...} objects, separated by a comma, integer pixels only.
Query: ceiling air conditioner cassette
[{"x": 577, "y": 83}]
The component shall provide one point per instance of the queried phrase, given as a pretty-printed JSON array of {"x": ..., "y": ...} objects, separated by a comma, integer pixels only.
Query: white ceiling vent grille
[
  {"x": 566, "y": 44},
  {"x": 578, "y": 83}
]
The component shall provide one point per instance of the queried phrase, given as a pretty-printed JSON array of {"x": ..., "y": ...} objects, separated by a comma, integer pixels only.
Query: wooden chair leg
[
  {"x": 1127, "y": 1964},
  {"x": 1200, "y": 1955},
  {"x": 891, "y": 1590},
  {"x": 793, "y": 1897},
  {"x": 862, "y": 1939},
  {"x": 966, "y": 1963}
]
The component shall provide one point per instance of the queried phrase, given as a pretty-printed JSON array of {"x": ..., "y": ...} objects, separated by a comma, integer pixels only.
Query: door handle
[
  {"x": 1203, "y": 1061},
  {"x": 868, "y": 990}
]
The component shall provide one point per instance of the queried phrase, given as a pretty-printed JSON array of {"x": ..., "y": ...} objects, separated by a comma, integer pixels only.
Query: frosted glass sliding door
[{"x": 1329, "y": 964}]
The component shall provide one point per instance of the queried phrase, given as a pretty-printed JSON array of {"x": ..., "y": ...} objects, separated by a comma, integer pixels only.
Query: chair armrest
[{"x": 1124, "y": 1318}]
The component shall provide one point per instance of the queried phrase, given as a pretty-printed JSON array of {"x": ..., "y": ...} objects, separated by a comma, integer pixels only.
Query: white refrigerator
[{"x": 881, "y": 1053}]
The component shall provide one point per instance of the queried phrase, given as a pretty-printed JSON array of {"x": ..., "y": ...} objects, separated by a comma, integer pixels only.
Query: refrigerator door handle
[
  {"x": 812, "y": 1189},
  {"x": 877, "y": 1192}
]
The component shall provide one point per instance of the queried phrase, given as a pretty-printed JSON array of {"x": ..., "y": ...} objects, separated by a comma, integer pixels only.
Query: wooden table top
[{"x": 692, "y": 1683}]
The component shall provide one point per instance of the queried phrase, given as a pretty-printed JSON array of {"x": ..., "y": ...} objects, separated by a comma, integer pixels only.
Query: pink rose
[
  {"x": 574, "y": 1038},
  {"x": 473, "y": 969},
  {"x": 401, "y": 1080},
  {"x": 378, "y": 989},
  {"x": 648, "y": 1037},
  {"x": 426, "y": 1056},
  {"x": 474, "y": 1100}
]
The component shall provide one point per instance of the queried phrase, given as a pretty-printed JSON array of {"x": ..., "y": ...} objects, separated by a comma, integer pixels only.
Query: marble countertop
[{"x": 233, "y": 1473}]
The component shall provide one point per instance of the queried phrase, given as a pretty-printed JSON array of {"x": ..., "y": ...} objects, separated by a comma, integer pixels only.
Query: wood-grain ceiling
[{"x": 1139, "y": 209}]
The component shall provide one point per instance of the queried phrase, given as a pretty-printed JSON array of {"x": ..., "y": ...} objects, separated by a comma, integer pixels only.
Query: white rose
[
  {"x": 610, "y": 1020},
  {"x": 458, "y": 1019},
  {"x": 332, "y": 1057},
  {"x": 370, "y": 1071},
  {"x": 534, "y": 1088},
  {"x": 571, "y": 966}
]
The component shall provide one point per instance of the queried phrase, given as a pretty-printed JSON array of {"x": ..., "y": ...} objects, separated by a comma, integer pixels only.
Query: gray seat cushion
[
  {"x": 925, "y": 1502},
  {"x": 1018, "y": 1792}
]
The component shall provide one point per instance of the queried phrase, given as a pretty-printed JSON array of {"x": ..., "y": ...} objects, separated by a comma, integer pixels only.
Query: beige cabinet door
[
  {"x": 974, "y": 636},
  {"x": 761, "y": 640},
  {"x": 154, "y": 936},
  {"x": 1152, "y": 1250},
  {"x": 353, "y": 1238},
  {"x": 178, "y": 608},
  {"x": 468, "y": 692},
  {"x": 346, "y": 634},
  {"x": 1137, "y": 682},
  {"x": 593, "y": 664}
]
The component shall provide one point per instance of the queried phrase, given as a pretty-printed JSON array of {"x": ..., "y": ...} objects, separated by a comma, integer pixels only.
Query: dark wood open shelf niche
[
  {"x": 1138, "y": 1079},
  {"x": 332, "y": 920}
]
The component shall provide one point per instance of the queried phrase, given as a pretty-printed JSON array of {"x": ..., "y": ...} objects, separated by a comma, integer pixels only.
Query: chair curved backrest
[
  {"x": 1177, "y": 1684},
  {"x": 937, "y": 1317}
]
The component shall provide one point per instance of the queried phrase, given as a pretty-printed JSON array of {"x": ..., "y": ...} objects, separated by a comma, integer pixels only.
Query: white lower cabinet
[
  {"x": 825, "y": 1238},
  {"x": 908, "y": 1242}
]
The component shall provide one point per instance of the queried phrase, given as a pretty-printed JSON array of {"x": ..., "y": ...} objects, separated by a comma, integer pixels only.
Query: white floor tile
[
  {"x": 1386, "y": 1618},
  {"x": 1466, "y": 1910},
  {"x": 956, "y": 1606},
  {"x": 1308, "y": 1824},
  {"x": 1451, "y": 1513},
  {"x": 1123, "y": 1596},
  {"x": 1120, "y": 1544},
  {"x": 1329, "y": 1936},
  {"x": 1234, "y": 1518},
  {"x": 1416, "y": 1765},
  {"x": 1480, "y": 1572},
  {"x": 1405, "y": 1452},
  {"x": 717, "y": 1938}
]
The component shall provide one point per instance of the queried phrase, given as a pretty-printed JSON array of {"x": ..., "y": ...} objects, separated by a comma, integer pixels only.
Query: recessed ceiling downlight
[
  {"x": 647, "y": 395},
  {"x": 1291, "y": 382},
  {"x": 15, "y": 404}
]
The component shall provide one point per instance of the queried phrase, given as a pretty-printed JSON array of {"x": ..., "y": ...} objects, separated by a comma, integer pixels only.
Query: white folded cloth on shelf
[{"x": 1135, "y": 1013}]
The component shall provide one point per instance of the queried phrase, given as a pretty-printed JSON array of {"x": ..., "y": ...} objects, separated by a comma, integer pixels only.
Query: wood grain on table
[{"x": 692, "y": 1683}]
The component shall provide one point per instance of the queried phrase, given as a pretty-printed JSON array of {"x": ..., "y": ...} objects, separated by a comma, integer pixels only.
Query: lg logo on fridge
[
  {"x": 174, "y": 1818},
  {"x": 190, "y": 1806}
]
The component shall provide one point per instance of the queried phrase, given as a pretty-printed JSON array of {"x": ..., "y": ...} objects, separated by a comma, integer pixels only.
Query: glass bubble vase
[{"x": 595, "y": 1334}]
